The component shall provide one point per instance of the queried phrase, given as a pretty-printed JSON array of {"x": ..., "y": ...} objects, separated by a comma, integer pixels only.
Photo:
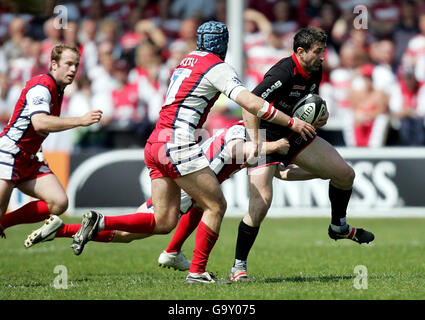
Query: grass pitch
[{"x": 292, "y": 259}]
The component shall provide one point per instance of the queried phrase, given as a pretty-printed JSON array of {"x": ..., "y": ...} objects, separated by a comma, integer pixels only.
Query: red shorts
[
  {"x": 173, "y": 161},
  {"x": 22, "y": 167}
]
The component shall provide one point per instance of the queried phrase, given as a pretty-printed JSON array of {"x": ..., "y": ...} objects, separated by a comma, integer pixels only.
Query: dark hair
[{"x": 306, "y": 37}]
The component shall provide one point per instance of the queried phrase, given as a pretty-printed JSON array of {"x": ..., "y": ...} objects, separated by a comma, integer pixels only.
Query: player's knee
[
  {"x": 221, "y": 206},
  {"x": 58, "y": 205},
  {"x": 345, "y": 178},
  {"x": 217, "y": 206},
  {"x": 165, "y": 224},
  {"x": 348, "y": 176}
]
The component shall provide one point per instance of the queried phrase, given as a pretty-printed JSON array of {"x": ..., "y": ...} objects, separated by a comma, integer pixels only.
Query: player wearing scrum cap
[
  {"x": 283, "y": 85},
  {"x": 174, "y": 157}
]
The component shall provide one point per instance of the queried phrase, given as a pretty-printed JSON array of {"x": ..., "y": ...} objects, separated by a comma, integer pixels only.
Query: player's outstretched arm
[
  {"x": 279, "y": 146},
  {"x": 240, "y": 149},
  {"x": 262, "y": 109},
  {"x": 46, "y": 123}
]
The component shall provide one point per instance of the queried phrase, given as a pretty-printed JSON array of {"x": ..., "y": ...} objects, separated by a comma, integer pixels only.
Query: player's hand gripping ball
[{"x": 309, "y": 108}]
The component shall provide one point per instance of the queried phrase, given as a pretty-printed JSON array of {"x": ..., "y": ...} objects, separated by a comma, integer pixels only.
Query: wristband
[
  {"x": 291, "y": 122},
  {"x": 267, "y": 112}
]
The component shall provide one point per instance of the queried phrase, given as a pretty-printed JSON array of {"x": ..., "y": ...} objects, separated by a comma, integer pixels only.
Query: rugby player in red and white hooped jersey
[
  {"x": 36, "y": 114},
  {"x": 174, "y": 158},
  {"x": 224, "y": 150}
]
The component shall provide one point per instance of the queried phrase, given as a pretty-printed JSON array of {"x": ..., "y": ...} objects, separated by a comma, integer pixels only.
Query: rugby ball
[{"x": 309, "y": 108}]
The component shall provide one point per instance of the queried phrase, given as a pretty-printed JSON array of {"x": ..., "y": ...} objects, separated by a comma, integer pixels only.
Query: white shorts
[{"x": 21, "y": 167}]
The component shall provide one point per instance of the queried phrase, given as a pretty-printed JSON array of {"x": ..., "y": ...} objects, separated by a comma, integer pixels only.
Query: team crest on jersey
[
  {"x": 313, "y": 87},
  {"x": 37, "y": 100}
]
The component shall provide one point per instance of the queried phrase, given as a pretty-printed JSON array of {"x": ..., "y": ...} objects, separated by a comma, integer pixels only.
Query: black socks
[
  {"x": 339, "y": 202},
  {"x": 246, "y": 238}
]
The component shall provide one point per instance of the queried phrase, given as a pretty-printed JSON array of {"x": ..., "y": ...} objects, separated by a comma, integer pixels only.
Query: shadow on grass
[
  {"x": 323, "y": 278},
  {"x": 326, "y": 278}
]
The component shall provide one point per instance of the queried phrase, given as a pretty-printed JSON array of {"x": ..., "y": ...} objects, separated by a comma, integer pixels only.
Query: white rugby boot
[
  {"x": 175, "y": 260},
  {"x": 46, "y": 232},
  {"x": 206, "y": 277}
]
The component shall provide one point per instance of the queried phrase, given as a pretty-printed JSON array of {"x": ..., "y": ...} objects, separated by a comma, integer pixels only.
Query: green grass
[{"x": 292, "y": 259}]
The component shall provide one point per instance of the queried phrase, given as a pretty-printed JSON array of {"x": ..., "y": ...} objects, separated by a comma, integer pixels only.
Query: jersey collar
[
  {"x": 298, "y": 68},
  {"x": 54, "y": 80}
]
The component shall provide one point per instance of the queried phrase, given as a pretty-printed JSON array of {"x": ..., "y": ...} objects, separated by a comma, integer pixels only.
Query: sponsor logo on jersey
[
  {"x": 294, "y": 94},
  {"x": 284, "y": 105},
  {"x": 274, "y": 86}
]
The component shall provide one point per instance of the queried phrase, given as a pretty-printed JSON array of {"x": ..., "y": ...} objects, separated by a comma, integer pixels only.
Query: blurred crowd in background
[{"x": 372, "y": 77}]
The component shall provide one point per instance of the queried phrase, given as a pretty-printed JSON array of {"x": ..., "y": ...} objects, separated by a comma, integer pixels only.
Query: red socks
[
  {"x": 68, "y": 230},
  {"x": 188, "y": 222},
  {"x": 204, "y": 242},
  {"x": 133, "y": 223},
  {"x": 34, "y": 211}
]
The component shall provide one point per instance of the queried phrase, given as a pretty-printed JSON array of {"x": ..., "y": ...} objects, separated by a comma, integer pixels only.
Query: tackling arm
[
  {"x": 240, "y": 149},
  {"x": 262, "y": 109}
]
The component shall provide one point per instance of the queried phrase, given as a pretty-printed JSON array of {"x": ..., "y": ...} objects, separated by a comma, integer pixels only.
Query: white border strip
[{"x": 382, "y": 153}]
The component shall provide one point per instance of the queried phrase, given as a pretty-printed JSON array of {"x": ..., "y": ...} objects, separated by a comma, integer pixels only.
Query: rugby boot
[
  {"x": 88, "y": 230},
  {"x": 175, "y": 260},
  {"x": 46, "y": 232},
  {"x": 358, "y": 235},
  {"x": 206, "y": 277}
]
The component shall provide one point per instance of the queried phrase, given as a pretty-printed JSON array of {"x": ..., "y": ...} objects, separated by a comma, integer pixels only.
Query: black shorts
[{"x": 297, "y": 144}]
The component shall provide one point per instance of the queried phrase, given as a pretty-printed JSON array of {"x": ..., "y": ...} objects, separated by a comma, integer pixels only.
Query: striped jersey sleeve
[{"x": 223, "y": 77}]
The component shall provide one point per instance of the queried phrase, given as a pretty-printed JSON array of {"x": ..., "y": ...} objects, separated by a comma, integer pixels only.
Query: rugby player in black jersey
[{"x": 283, "y": 85}]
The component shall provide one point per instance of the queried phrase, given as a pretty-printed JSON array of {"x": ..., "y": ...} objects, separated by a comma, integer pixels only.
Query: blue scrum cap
[{"x": 212, "y": 36}]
